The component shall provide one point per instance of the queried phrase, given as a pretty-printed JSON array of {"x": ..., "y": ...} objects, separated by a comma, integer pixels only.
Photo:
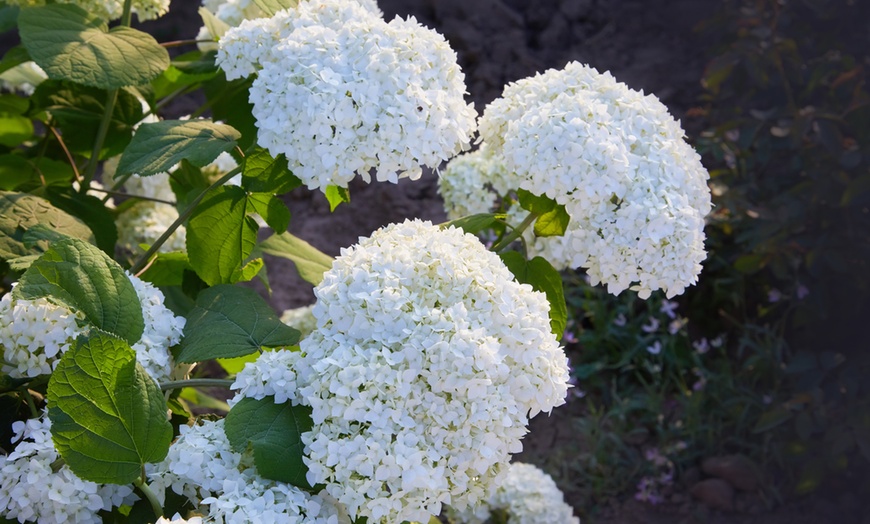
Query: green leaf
[
  {"x": 233, "y": 365},
  {"x": 272, "y": 209},
  {"x": 310, "y": 262},
  {"x": 18, "y": 172},
  {"x": 20, "y": 212},
  {"x": 71, "y": 44},
  {"x": 274, "y": 431},
  {"x": 8, "y": 17},
  {"x": 336, "y": 195},
  {"x": 167, "y": 269},
  {"x": 13, "y": 104},
  {"x": 91, "y": 211},
  {"x": 270, "y": 7},
  {"x": 197, "y": 397},
  {"x": 159, "y": 146},
  {"x": 108, "y": 416},
  {"x": 553, "y": 223},
  {"x": 541, "y": 275},
  {"x": 85, "y": 279},
  {"x": 221, "y": 235},
  {"x": 474, "y": 224},
  {"x": 14, "y": 130},
  {"x": 77, "y": 110},
  {"x": 174, "y": 79},
  {"x": 230, "y": 321},
  {"x": 229, "y": 103},
  {"x": 535, "y": 204},
  {"x": 215, "y": 26},
  {"x": 264, "y": 174},
  {"x": 14, "y": 57},
  {"x": 771, "y": 419}
]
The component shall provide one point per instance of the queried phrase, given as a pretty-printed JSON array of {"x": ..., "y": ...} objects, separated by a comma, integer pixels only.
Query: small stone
[
  {"x": 690, "y": 477},
  {"x": 714, "y": 493},
  {"x": 739, "y": 470}
]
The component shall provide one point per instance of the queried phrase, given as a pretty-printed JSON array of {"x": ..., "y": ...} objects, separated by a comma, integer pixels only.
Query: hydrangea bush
[{"x": 405, "y": 388}]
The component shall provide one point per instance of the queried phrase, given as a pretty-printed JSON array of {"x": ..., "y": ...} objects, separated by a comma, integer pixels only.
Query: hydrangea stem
[
  {"x": 149, "y": 494},
  {"x": 143, "y": 260},
  {"x": 196, "y": 382},
  {"x": 103, "y": 130},
  {"x": 515, "y": 234}
]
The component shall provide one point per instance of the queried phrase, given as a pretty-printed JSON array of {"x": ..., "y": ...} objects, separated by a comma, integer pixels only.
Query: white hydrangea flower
[
  {"x": 301, "y": 319},
  {"x": 426, "y": 364},
  {"x": 340, "y": 91},
  {"x": 225, "y": 486},
  {"x": 272, "y": 374},
  {"x": 620, "y": 165},
  {"x": 31, "y": 491},
  {"x": 22, "y": 78},
  {"x": 144, "y": 222},
  {"x": 108, "y": 9},
  {"x": 528, "y": 496},
  {"x": 162, "y": 330},
  {"x": 473, "y": 182},
  {"x": 177, "y": 519},
  {"x": 35, "y": 333}
]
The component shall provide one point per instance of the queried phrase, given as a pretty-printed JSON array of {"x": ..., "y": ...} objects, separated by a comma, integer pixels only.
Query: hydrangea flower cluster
[
  {"x": 272, "y": 374},
  {"x": 144, "y": 222},
  {"x": 22, "y": 78},
  {"x": 528, "y": 496},
  {"x": 619, "y": 163},
  {"x": 340, "y": 91},
  {"x": 177, "y": 519},
  {"x": 301, "y": 318},
  {"x": 35, "y": 333},
  {"x": 108, "y": 9},
  {"x": 225, "y": 485},
  {"x": 427, "y": 361},
  {"x": 473, "y": 183},
  {"x": 30, "y": 490}
]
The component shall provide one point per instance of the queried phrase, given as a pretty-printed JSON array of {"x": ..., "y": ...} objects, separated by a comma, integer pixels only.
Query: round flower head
[
  {"x": 619, "y": 163},
  {"x": 177, "y": 519},
  {"x": 108, "y": 9},
  {"x": 426, "y": 363},
  {"x": 225, "y": 486},
  {"x": 22, "y": 78},
  {"x": 31, "y": 490},
  {"x": 340, "y": 91},
  {"x": 35, "y": 333},
  {"x": 528, "y": 496}
]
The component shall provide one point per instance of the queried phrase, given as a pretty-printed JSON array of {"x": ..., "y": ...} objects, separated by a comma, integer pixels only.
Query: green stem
[
  {"x": 143, "y": 260},
  {"x": 30, "y": 404},
  {"x": 515, "y": 234},
  {"x": 127, "y": 15},
  {"x": 91, "y": 168},
  {"x": 196, "y": 382},
  {"x": 150, "y": 495},
  {"x": 136, "y": 197}
]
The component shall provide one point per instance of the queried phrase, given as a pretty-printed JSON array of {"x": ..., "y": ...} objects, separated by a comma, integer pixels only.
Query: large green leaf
[
  {"x": 230, "y": 321},
  {"x": 22, "y": 173},
  {"x": 71, "y": 44},
  {"x": 541, "y": 275},
  {"x": 91, "y": 211},
  {"x": 167, "y": 269},
  {"x": 159, "y": 146},
  {"x": 221, "y": 235},
  {"x": 14, "y": 56},
  {"x": 14, "y": 130},
  {"x": 77, "y": 110},
  {"x": 20, "y": 212},
  {"x": 272, "y": 209},
  {"x": 108, "y": 417},
  {"x": 229, "y": 103},
  {"x": 553, "y": 223},
  {"x": 84, "y": 278},
  {"x": 274, "y": 432},
  {"x": 264, "y": 174},
  {"x": 310, "y": 261}
]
